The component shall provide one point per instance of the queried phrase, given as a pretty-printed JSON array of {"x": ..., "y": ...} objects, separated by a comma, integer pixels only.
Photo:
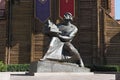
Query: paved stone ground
[
  {"x": 4, "y": 76},
  {"x": 65, "y": 76},
  {"x": 62, "y": 76}
]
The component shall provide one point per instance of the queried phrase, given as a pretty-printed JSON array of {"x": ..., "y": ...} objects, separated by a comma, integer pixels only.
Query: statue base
[{"x": 55, "y": 66}]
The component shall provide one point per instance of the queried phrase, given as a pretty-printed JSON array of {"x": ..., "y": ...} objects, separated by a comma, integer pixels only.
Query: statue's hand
[{"x": 53, "y": 27}]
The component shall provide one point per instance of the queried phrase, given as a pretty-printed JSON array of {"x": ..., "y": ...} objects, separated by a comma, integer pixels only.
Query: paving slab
[
  {"x": 4, "y": 76},
  {"x": 63, "y": 76}
]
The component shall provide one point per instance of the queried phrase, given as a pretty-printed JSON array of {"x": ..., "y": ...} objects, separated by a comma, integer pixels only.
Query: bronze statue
[{"x": 62, "y": 35}]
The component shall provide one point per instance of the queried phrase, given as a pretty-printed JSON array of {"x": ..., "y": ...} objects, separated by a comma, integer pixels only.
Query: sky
[{"x": 117, "y": 9}]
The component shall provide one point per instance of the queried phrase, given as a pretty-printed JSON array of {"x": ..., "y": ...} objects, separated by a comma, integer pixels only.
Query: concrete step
[{"x": 64, "y": 76}]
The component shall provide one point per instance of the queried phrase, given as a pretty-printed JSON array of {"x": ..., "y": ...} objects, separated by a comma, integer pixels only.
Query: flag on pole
[
  {"x": 66, "y": 6},
  {"x": 42, "y": 9}
]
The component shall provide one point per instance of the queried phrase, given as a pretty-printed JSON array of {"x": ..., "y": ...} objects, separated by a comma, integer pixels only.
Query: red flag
[{"x": 66, "y": 6}]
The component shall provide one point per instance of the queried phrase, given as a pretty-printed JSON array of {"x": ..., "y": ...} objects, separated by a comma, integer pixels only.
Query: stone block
[{"x": 55, "y": 66}]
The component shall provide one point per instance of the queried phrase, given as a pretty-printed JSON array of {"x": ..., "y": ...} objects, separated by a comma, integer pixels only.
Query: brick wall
[
  {"x": 21, "y": 30},
  {"x": 112, "y": 13},
  {"x": 86, "y": 38},
  {"x": 112, "y": 41},
  {"x": 96, "y": 40},
  {"x": 3, "y": 38}
]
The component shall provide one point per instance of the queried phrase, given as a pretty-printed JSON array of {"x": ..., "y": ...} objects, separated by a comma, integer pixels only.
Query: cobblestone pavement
[{"x": 65, "y": 76}]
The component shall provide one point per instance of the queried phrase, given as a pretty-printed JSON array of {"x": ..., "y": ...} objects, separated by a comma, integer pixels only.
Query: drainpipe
[
  {"x": 98, "y": 32},
  {"x": 9, "y": 28}
]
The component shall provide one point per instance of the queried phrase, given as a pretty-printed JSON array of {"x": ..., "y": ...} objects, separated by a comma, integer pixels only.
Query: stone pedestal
[{"x": 54, "y": 66}]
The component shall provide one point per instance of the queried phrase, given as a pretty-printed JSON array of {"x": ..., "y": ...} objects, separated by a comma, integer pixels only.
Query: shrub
[
  {"x": 18, "y": 67},
  {"x": 2, "y": 67},
  {"x": 106, "y": 68}
]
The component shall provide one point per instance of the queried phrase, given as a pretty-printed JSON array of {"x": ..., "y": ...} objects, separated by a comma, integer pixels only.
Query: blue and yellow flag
[{"x": 42, "y": 9}]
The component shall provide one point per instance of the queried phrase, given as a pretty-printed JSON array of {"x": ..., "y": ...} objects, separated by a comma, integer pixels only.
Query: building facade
[{"x": 23, "y": 41}]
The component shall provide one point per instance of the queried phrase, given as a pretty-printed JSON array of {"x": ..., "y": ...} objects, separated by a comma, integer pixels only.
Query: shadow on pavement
[
  {"x": 26, "y": 74},
  {"x": 117, "y": 76}
]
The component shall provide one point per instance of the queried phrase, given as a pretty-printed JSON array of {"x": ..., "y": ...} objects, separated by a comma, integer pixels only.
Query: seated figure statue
[{"x": 62, "y": 35}]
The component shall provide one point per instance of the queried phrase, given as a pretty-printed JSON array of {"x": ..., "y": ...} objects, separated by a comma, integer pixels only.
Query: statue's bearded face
[{"x": 68, "y": 16}]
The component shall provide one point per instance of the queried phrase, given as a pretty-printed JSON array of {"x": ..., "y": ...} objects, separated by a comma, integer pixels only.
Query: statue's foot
[
  {"x": 80, "y": 63},
  {"x": 42, "y": 59}
]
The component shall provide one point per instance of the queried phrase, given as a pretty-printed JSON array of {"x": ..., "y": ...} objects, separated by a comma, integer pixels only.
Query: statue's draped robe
[{"x": 55, "y": 49}]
